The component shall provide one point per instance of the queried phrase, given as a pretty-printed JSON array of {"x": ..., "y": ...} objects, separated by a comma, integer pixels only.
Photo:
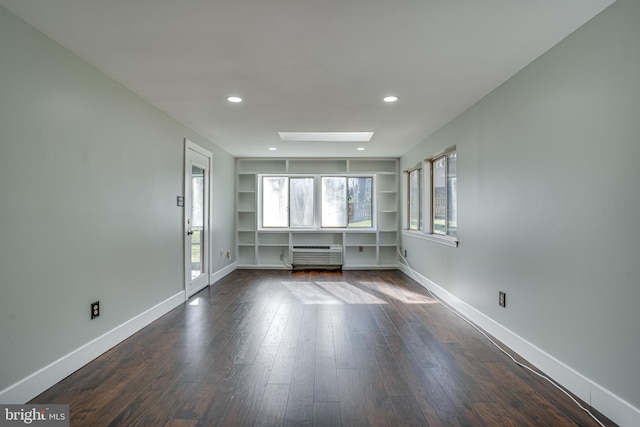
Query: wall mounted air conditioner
[{"x": 316, "y": 256}]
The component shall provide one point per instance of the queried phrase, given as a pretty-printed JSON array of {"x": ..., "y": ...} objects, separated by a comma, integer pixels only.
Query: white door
[{"x": 196, "y": 219}]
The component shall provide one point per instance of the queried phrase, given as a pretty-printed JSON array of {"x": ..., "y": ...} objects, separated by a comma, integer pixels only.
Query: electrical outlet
[
  {"x": 228, "y": 254},
  {"x": 405, "y": 253},
  {"x": 502, "y": 299},
  {"x": 95, "y": 309}
]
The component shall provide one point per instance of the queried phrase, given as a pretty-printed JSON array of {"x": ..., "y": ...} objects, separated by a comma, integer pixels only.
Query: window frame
[
  {"x": 287, "y": 185},
  {"x": 444, "y": 156},
  {"x": 317, "y": 202},
  {"x": 416, "y": 169},
  {"x": 427, "y": 201}
]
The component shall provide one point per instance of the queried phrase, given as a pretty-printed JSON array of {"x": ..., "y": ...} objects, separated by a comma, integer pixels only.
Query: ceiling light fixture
[
  {"x": 272, "y": 148},
  {"x": 390, "y": 98},
  {"x": 360, "y": 148},
  {"x": 234, "y": 99},
  {"x": 326, "y": 136}
]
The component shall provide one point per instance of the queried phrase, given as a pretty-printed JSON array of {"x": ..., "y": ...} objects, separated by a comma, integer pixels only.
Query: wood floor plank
[
  {"x": 280, "y": 348},
  {"x": 300, "y": 404},
  {"x": 282, "y": 369},
  {"x": 244, "y": 407},
  {"x": 343, "y": 346},
  {"x": 273, "y": 405},
  {"x": 389, "y": 369},
  {"x": 326, "y": 381},
  {"x": 408, "y": 411},
  {"x": 326, "y": 414}
]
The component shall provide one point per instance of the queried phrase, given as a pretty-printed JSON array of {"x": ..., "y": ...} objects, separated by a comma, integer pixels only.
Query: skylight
[{"x": 326, "y": 136}]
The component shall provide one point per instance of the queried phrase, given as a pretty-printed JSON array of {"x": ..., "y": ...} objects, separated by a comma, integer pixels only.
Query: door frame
[{"x": 192, "y": 146}]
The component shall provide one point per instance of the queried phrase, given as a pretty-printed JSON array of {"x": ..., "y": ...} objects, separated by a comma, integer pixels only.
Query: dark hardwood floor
[{"x": 271, "y": 348}]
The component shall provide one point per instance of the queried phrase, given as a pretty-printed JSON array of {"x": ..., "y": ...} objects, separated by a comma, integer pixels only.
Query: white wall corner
[
  {"x": 606, "y": 402},
  {"x": 39, "y": 381}
]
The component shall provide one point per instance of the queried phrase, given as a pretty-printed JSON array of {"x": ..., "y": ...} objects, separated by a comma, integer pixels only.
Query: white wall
[
  {"x": 548, "y": 207},
  {"x": 89, "y": 175}
]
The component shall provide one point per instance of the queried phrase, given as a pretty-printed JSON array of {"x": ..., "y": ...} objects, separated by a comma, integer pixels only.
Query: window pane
[
  {"x": 334, "y": 201},
  {"x": 360, "y": 210},
  {"x": 275, "y": 201},
  {"x": 197, "y": 221},
  {"x": 301, "y": 202},
  {"x": 197, "y": 197},
  {"x": 439, "y": 196},
  {"x": 415, "y": 217},
  {"x": 452, "y": 195}
]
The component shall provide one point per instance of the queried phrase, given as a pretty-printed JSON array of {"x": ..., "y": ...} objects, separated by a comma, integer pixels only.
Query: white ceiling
[{"x": 309, "y": 65}]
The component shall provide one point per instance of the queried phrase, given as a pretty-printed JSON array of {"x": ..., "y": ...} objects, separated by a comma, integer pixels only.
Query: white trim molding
[
  {"x": 31, "y": 386},
  {"x": 218, "y": 275},
  {"x": 614, "y": 407}
]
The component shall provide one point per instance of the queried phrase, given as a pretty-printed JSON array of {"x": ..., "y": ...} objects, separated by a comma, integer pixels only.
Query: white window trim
[{"x": 436, "y": 238}]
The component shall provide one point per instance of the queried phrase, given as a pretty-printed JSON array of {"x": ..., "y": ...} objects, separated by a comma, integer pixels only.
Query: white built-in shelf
[{"x": 362, "y": 248}]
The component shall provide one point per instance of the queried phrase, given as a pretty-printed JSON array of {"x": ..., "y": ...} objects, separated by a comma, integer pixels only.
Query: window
[
  {"x": 444, "y": 197},
  {"x": 334, "y": 201},
  {"x": 288, "y": 201},
  {"x": 301, "y": 202},
  {"x": 359, "y": 198},
  {"x": 275, "y": 201},
  {"x": 415, "y": 199},
  {"x": 432, "y": 198}
]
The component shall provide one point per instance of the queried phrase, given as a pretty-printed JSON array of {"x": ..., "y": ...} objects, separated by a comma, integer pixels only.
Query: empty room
[{"x": 246, "y": 213}]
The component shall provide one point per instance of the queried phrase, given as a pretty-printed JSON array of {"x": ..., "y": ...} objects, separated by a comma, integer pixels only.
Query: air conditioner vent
[{"x": 316, "y": 256}]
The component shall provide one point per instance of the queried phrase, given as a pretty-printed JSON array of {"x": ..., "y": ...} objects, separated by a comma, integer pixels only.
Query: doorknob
[{"x": 189, "y": 233}]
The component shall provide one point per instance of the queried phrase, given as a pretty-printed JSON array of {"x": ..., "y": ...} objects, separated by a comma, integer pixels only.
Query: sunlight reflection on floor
[
  {"x": 311, "y": 293},
  {"x": 336, "y": 293},
  {"x": 401, "y": 294}
]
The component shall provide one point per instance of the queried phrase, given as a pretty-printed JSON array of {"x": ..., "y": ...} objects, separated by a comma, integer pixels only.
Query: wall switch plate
[
  {"x": 502, "y": 299},
  {"x": 95, "y": 309},
  {"x": 180, "y": 201}
]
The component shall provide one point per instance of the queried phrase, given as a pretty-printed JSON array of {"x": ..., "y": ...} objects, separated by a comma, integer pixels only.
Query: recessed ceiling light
[
  {"x": 326, "y": 136},
  {"x": 360, "y": 148},
  {"x": 272, "y": 148},
  {"x": 234, "y": 99},
  {"x": 391, "y": 98}
]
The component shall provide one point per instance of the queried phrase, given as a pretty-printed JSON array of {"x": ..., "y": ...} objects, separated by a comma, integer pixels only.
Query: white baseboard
[
  {"x": 615, "y": 408},
  {"x": 218, "y": 275},
  {"x": 31, "y": 386}
]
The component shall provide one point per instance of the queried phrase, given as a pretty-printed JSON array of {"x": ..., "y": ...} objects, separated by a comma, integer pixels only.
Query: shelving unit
[{"x": 369, "y": 248}]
